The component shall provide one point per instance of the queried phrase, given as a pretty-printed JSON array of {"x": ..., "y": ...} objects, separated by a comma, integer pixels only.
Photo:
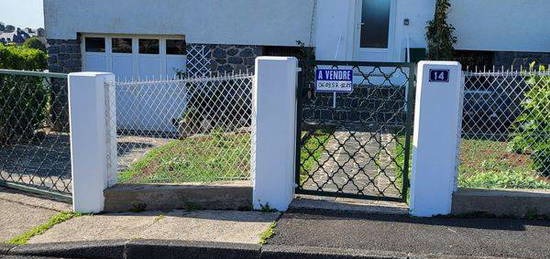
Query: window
[
  {"x": 148, "y": 46},
  {"x": 175, "y": 47},
  {"x": 122, "y": 45},
  {"x": 95, "y": 44},
  {"x": 375, "y": 19}
]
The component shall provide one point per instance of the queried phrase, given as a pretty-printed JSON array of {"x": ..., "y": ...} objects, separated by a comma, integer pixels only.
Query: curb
[
  {"x": 96, "y": 249},
  {"x": 189, "y": 249},
  {"x": 5, "y": 248},
  {"x": 307, "y": 252},
  {"x": 137, "y": 249}
]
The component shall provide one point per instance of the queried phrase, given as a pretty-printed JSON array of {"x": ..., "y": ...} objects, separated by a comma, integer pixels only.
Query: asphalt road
[{"x": 439, "y": 236}]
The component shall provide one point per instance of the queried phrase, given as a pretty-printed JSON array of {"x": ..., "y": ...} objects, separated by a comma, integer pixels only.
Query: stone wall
[
  {"x": 64, "y": 56},
  {"x": 520, "y": 59},
  {"x": 233, "y": 58}
]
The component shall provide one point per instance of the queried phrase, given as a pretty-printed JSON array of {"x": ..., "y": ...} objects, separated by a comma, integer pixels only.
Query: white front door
[{"x": 375, "y": 30}]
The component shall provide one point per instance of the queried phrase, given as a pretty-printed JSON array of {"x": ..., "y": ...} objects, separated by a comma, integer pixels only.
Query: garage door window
[
  {"x": 122, "y": 45},
  {"x": 95, "y": 44},
  {"x": 175, "y": 47},
  {"x": 148, "y": 46}
]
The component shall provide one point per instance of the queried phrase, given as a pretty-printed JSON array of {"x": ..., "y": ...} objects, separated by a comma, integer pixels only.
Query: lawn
[
  {"x": 195, "y": 159},
  {"x": 488, "y": 164}
]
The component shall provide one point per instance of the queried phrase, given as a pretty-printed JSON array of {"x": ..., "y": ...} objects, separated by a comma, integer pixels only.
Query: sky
[{"x": 22, "y": 13}]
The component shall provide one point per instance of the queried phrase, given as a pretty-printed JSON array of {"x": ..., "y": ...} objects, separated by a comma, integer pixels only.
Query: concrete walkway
[
  {"x": 243, "y": 227},
  {"x": 22, "y": 212},
  {"x": 468, "y": 237},
  {"x": 358, "y": 163}
]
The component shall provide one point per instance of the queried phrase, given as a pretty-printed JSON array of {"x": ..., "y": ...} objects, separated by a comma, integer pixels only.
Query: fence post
[
  {"x": 437, "y": 125},
  {"x": 91, "y": 98},
  {"x": 274, "y": 132}
]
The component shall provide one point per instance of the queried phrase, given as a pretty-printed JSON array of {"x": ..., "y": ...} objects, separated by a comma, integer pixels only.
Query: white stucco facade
[
  {"x": 329, "y": 25},
  {"x": 246, "y": 22},
  {"x": 502, "y": 25}
]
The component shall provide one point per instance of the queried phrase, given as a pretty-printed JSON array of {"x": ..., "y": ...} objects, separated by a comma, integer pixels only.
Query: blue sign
[
  {"x": 334, "y": 80},
  {"x": 439, "y": 75}
]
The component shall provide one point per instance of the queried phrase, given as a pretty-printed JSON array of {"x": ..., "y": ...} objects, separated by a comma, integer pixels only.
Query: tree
[
  {"x": 440, "y": 34},
  {"x": 34, "y": 43}
]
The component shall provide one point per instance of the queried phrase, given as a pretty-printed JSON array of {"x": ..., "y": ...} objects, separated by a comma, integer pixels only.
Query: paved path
[
  {"x": 46, "y": 162},
  {"x": 213, "y": 226},
  {"x": 443, "y": 236},
  {"x": 22, "y": 212},
  {"x": 356, "y": 165}
]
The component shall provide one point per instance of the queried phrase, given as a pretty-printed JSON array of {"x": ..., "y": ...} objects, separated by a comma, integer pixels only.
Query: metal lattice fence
[
  {"x": 357, "y": 144},
  {"x": 34, "y": 132},
  {"x": 184, "y": 130},
  {"x": 506, "y": 130}
]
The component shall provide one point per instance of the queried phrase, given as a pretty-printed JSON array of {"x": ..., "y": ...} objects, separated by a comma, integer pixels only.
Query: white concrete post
[
  {"x": 93, "y": 151},
  {"x": 437, "y": 125},
  {"x": 274, "y": 132}
]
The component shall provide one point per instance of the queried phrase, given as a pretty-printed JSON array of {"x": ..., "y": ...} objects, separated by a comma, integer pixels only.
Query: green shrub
[
  {"x": 23, "y": 99},
  {"x": 22, "y": 58},
  {"x": 532, "y": 127},
  {"x": 34, "y": 43},
  {"x": 440, "y": 34}
]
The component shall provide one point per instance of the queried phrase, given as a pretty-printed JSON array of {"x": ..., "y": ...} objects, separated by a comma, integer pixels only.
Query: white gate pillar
[
  {"x": 274, "y": 132},
  {"x": 437, "y": 125},
  {"x": 93, "y": 138}
]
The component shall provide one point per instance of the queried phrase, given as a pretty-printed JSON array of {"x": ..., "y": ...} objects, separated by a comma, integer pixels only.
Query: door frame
[{"x": 358, "y": 52}]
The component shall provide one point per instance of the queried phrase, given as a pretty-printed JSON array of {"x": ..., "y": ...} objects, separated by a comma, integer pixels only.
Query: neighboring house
[
  {"x": 159, "y": 37},
  {"x": 11, "y": 34}
]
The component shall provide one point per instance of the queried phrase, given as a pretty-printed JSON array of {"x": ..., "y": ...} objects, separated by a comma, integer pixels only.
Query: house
[
  {"x": 11, "y": 34},
  {"x": 148, "y": 38}
]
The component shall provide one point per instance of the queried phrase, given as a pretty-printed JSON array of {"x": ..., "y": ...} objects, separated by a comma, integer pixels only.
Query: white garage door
[{"x": 139, "y": 58}]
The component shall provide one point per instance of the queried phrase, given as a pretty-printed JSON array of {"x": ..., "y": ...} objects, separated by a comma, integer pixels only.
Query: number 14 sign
[{"x": 439, "y": 75}]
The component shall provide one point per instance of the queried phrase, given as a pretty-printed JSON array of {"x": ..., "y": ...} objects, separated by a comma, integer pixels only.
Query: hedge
[{"x": 23, "y": 99}]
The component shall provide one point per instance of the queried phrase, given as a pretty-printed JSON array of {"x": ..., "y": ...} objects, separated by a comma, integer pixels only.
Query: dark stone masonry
[
  {"x": 233, "y": 58},
  {"x": 64, "y": 56},
  {"x": 520, "y": 59}
]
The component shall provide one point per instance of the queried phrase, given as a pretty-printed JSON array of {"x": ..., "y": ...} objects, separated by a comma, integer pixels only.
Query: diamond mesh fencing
[
  {"x": 506, "y": 130},
  {"x": 357, "y": 145},
  {"x": 34, "y": 132},
  {"x": 184, "y": 130}
]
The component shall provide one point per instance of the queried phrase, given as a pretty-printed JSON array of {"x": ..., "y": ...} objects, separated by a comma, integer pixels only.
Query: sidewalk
[
  {"x": 244, "y": 227},
  {"x": 22, "y": 212},
  {"x": 310, "y": 230},
  {"x": 467, "y": 237}
]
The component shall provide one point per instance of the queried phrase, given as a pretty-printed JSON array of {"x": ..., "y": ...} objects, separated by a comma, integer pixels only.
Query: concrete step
[
  {"x": 512, "y": 203},
  {"x": 235, "y": 195}
]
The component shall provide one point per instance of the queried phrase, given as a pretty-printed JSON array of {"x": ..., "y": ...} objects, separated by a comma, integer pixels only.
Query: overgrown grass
[
  {"x": 197, "y": 159},
  {"x": 488, "y": 164},
  {"x": 312, "y": 150},
  {"x": 268, "y": 234},
  {"x": 54, "y": 220}
]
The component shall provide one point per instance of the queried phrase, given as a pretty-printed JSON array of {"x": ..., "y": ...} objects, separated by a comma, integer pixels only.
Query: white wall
[
  {"x": 502, "y": 25},
  {"x": 257, "y": 22},
  {"x": 335, "y": 36}
]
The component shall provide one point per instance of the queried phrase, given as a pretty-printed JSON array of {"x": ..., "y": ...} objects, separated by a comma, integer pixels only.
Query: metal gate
[{"x": 356, "y": 145}]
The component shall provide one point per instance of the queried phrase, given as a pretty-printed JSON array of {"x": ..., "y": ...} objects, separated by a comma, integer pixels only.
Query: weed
[
  {"x": 268, "y": 234},
  {"x": 54, "y": 220}
]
